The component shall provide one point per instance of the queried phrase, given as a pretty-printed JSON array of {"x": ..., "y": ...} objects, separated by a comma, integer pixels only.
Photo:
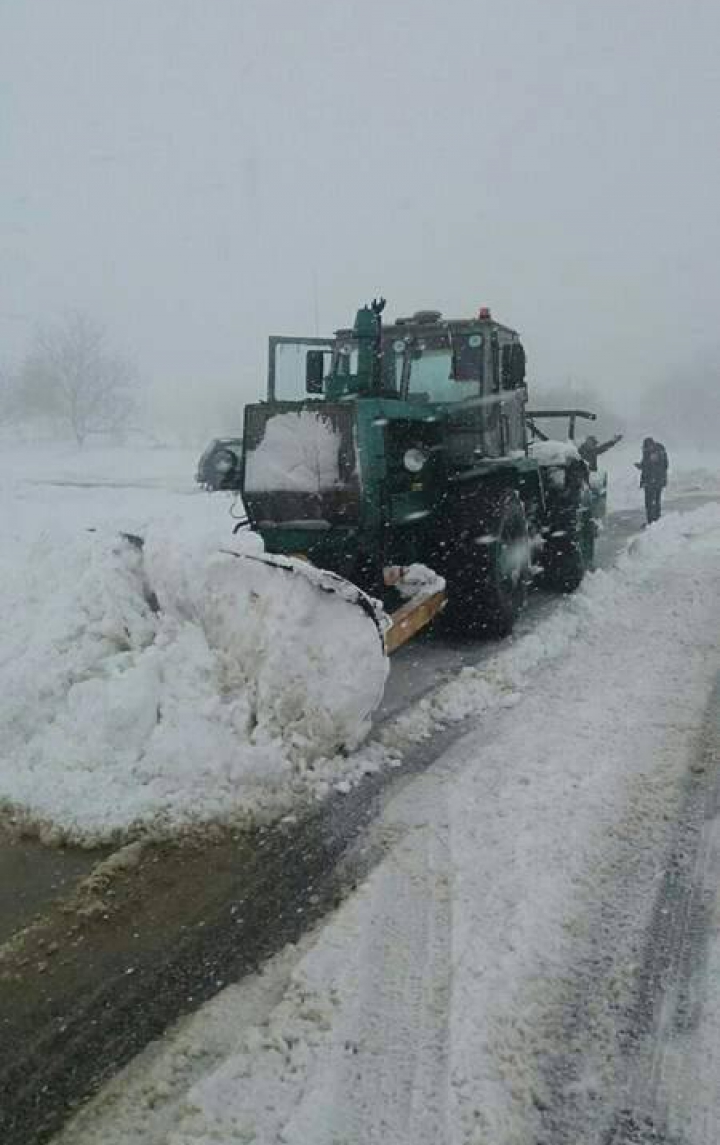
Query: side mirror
[
  {"x": 314, "y": 371},
  {"x": 517, "y": 365}
]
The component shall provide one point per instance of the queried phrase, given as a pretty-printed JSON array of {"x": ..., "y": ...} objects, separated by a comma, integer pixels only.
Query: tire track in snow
[
  {"x": 393, "y": 1085},
  {"x": 664, "y": 1054},
  {"x": 622, "y": 1076}
]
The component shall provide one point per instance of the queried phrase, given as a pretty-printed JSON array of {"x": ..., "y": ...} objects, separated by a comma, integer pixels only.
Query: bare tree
[{"x": 70, "y": 376}]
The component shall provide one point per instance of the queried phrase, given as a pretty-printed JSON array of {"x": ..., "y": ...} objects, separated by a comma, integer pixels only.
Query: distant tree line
[{"x": 72, "y": 380}]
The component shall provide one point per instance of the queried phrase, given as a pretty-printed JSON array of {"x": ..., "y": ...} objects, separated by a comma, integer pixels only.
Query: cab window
[{"x": 431, "y": 378}]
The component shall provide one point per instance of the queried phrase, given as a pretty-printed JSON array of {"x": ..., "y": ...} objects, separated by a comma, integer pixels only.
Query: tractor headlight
[{"x": 415, "y": 459}]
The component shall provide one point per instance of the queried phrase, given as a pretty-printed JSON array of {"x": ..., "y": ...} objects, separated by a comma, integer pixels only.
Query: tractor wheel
[
  {"x": 488, "y": 565},
  {"x": 567, "y": 558}
]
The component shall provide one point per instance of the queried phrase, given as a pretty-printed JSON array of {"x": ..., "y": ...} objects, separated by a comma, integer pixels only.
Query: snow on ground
[
  {"x": 162, "y": 467},
  {"x": 429, "y": 1009},
  {"x": 233, "y": 700},
  {"x": 116, "y": 716}
]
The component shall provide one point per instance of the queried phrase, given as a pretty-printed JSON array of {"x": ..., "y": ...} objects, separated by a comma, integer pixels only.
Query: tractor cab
[
  {"x": 473, "y": 369},
  {"x": 356, "y": 454}
]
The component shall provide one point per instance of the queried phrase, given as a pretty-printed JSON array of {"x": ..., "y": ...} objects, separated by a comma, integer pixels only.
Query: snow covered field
[
  {"x": 117, "y": 719},
  {"x": 431, "y": 1007}
]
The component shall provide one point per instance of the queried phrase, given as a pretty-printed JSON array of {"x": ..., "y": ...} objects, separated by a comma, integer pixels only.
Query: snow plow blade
[
  {"x": 426, "y": 599},
  {"x": 323, "y": 581},
  {"x": 411, "y": 618},
  {"x": 288, "y": 654},
  {"x": 394, "y": 629}
]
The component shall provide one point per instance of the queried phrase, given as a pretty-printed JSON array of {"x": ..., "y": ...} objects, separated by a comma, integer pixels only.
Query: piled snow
[
  {"x": 419, "y": 582},
  {"x": 116, "y": 715},
  {"x": 234, "y": 697},
  {"x": 299, "y": 451},
  {"x": 429, "y": 1007},
  {"x": 554, "y": 452}
]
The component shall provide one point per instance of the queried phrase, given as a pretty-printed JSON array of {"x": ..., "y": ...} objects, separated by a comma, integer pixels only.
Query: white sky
[{"x": 184, "y": 169}]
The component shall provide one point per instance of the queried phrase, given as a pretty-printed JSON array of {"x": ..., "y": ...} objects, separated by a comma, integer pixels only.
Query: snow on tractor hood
[
  {"x": 554, "y": 452},
  {"x": 299, "y": 451}
]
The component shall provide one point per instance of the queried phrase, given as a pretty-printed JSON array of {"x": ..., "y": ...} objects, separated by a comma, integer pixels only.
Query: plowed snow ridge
[{"x": 118, "y": 716}]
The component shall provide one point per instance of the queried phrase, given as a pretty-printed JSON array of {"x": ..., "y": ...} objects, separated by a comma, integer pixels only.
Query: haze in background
[{"x": 196, "y": 174}]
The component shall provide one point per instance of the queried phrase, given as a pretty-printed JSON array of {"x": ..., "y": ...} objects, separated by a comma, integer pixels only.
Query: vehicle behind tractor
[{"x": 407, "y": 446}]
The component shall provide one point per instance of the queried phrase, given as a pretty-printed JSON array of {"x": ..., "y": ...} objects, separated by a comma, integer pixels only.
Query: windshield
[
  {"x": 427, "y": 369},
  {"x": 431, "y": 379}
]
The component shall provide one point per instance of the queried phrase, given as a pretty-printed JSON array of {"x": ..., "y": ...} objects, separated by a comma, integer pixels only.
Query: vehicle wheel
[
  {"x": 488, "y": 564},
  {"x": 566, "y": 559}
]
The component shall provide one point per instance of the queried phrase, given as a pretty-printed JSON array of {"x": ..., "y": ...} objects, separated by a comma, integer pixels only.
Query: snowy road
[
  {"x": 670, "y": 1043},
  {"x": 487, "y": 981}
]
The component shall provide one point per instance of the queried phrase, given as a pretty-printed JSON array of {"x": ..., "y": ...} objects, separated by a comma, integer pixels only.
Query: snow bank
[
  {"x": 418, "y": 582},
  {"x": 117, "y": 716}
]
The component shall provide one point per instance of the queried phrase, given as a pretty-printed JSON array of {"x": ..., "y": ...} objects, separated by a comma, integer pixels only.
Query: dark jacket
[{"x": 654, "y": 465}]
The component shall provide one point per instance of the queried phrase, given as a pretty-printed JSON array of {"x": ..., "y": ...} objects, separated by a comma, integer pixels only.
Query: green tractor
[{"x": 406, "y": 446}]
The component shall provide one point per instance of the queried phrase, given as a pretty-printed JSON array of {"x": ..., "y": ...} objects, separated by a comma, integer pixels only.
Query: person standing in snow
[
  {"x": 591, "y": 449},
  {"x": 653, "y": 476}
]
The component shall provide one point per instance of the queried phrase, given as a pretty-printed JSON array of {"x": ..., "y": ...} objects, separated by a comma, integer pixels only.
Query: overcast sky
[{"x": 185, "y": 170}]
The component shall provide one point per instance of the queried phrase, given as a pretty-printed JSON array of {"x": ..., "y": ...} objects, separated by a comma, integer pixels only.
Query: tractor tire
[
  {"x": 488, "y": 565},
  {"x": 566, "y": 559}
]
